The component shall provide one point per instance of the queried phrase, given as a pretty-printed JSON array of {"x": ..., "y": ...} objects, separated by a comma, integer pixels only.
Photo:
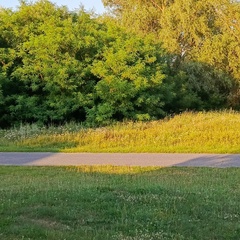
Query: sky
[{"x": 71, "y": 4}]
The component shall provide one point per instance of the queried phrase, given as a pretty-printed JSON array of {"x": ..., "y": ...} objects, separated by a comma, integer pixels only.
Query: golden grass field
[{"x": 201, "y": 132}]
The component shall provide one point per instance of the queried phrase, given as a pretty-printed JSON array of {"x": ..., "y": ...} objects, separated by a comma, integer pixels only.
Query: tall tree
[
  {"x": 186, "y": 27},
  {"x": 203, "y": 31}
]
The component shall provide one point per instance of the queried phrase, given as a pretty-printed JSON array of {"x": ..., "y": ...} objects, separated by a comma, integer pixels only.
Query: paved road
[{"x": 118, "y": 159}]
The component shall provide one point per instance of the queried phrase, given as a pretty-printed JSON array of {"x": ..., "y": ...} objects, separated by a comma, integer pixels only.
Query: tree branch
[{"x": 157, "y": 5}]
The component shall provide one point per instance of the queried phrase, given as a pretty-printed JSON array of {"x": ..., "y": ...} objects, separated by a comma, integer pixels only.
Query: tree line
[{"x": 142, "y": 60}]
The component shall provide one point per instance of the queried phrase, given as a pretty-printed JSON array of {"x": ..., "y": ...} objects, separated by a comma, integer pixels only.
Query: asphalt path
[{"x": 120, "y": 159}]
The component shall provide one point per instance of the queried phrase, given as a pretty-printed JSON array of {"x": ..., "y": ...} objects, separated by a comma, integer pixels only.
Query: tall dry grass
[{"x": 212, "y": 132}]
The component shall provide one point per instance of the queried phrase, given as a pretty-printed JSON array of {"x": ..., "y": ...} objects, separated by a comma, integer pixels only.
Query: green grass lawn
[
  {"x": 119, "y": 203},
  {"x": 212, "y": 132}
]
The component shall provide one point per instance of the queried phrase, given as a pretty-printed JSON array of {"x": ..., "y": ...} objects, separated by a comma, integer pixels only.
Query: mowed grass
[
  {"x": 212, "y": 132},
  {"x": 128, "y": 203}
]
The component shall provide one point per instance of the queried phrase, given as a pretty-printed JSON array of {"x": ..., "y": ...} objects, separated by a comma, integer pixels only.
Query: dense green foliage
[
  {"x": 202, "y": 37},
  {"x": 198, "y": 30},
  {"x": 57, "y": 65}
]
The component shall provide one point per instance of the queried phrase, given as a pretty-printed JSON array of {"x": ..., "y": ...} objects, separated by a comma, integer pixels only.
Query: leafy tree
[
  {"x": 131, "y": 73},
  {"x": 198, "y": 86},
  {"x": 57, "y": 65},
  {"x": 204, "y": 31},
  {"x": 51, "y": 53},
  {"x": 141, "y": 17},
  {"x": 184, "y": 26},
  {"x": 60, "y": 66}
]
